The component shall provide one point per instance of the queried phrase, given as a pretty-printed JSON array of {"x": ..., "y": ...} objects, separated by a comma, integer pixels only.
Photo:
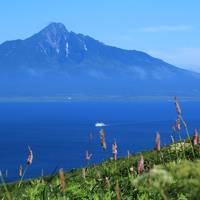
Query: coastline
[{"x": 85, "y": 98}]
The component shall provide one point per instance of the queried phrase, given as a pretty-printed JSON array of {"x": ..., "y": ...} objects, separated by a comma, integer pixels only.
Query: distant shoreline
[{"x": 84, "y": 98}]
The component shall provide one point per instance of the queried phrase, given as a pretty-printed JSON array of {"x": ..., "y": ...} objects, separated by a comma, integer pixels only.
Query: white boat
[{"x": 100, "y": 124}]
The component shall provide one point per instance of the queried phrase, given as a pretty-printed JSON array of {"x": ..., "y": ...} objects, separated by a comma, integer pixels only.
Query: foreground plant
[
  {"x": 28, "y": 163},
  {"x": 8, "y": 195},
  {"x": 180, "y": 119},
  {"x": 114, "y": 150},
  {"x": 103, "y": 139}
]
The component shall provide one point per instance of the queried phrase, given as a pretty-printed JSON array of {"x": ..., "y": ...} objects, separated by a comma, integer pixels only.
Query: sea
[{"x": 59, "y": 133}]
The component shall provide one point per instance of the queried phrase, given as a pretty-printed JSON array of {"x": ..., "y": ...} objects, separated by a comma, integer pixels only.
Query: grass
[{"x": 165, "y": 176}]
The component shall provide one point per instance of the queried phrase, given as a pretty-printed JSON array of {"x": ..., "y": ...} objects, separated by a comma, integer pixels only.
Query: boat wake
[{"x": 100, "y": 124}]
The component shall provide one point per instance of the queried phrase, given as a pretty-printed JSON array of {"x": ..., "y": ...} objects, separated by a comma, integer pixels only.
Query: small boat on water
[{"x": 100, "y": 124}]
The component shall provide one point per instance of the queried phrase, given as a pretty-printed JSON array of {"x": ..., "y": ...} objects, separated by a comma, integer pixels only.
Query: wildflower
[
  {"x": 103, "y": 141},
  {"x": 195, "y": 137},
  {"x": 178, "y": 108},
  {"x": 178, "y": 123},
  {"x": 114, "y": 150},
  {"x": 28, "y": 163},
  {"x": 62, "y": 180},
  {"x": 30, "y": 157},
  {"x": 140, "y": 166},
  {"x": 157, "y": 141},
  {"x": 20, "y": 171},
  {"x": 88, "y": 156}
]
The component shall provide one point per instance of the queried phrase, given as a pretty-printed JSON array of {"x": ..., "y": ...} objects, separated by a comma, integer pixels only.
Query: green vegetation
[{"x": 168, "y": 174}]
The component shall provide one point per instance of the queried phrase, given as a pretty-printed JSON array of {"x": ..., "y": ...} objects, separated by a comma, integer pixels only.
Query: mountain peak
[
  {"x": 55, "y": 27},
  {"x": 55, "y": 34}
]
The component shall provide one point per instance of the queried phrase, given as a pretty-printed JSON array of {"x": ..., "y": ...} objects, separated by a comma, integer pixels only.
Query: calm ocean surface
[{"x": 58, "y": 133}]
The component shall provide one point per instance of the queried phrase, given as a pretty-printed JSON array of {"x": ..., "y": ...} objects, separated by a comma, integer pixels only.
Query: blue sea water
[{"x": 59, "y": 133}]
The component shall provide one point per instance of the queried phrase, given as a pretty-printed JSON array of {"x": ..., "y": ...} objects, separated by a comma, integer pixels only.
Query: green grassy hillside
[{"x": 171, "y": 173}]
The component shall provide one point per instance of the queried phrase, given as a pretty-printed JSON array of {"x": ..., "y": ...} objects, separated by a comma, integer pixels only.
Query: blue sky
[{"x": 166, "y": 29}]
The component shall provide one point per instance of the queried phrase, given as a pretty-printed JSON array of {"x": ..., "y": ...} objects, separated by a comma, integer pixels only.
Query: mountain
[{"x": 57, "y": 62}]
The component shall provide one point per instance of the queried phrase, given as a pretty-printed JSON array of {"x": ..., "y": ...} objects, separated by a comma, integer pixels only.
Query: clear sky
[{"x": 168, "y": 29}]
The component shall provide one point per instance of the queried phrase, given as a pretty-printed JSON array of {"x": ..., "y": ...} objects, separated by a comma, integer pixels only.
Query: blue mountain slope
[{"x": 56, "y": 61}]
